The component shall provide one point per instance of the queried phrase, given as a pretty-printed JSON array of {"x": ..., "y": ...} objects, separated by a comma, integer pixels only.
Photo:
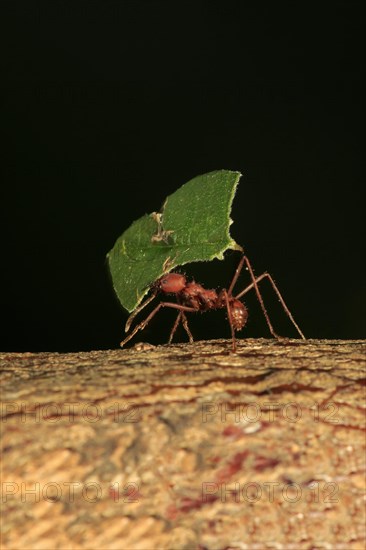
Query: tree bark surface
[{"x": 185, "y": 447}]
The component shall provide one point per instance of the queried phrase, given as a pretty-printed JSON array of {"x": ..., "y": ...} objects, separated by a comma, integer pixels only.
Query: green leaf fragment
[{"x": 193, "y": 226}]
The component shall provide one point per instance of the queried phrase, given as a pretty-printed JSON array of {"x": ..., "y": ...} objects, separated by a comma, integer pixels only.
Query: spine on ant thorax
[{"x": 200, "y": 298}]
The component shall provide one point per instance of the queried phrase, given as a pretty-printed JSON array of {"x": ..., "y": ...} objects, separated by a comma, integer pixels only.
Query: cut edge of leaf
[{"x": 232, "y": 244}]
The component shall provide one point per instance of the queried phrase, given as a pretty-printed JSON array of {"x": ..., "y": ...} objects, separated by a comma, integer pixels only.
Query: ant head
[{"x": 172, "y": 283}]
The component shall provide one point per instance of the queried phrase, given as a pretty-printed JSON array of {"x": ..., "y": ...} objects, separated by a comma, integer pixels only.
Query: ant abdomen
[{"x": 239, "y": 314}]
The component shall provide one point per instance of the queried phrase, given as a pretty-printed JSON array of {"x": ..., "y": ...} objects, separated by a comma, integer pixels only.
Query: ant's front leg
[
  {"x": 144, "y": 323},
  {"x": 138, "y": 309}
]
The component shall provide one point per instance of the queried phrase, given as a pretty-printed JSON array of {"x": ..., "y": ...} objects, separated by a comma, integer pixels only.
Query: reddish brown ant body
[{"x": 192, "y": 297}]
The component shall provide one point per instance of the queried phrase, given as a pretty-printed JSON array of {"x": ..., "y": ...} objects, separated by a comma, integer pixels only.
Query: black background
[{"x": 111, "y": 105}]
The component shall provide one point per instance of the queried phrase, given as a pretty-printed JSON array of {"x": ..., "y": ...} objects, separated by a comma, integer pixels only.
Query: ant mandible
[{"x": 192, "y": 297}]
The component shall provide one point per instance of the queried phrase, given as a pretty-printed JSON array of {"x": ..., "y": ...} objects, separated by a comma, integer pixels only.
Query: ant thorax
[
  {"x": 198, "y": 297},
  {"x": 191, "y": 294}
]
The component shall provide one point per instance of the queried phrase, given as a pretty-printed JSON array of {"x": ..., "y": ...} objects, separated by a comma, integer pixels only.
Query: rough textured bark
[{"x": 186, "y": 447}]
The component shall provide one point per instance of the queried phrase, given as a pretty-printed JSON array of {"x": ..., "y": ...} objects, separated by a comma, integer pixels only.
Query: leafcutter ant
[{"x": 191, "y": 297}]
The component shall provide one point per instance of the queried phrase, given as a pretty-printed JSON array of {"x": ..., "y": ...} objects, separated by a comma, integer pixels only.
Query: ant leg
[
  {"x": 181, "y": 315},
  {"x": 245, "y": 260},
  {"x": 230, "y": 319},
  {"x": 138, "y": 309},
  {"x": 175, "y": 326},
  {"x": 143, "y": 324},
  {"x": 186, "y": 327},
  {"x": 254, "y": 285},
  {"x": 236, "y": 275}
]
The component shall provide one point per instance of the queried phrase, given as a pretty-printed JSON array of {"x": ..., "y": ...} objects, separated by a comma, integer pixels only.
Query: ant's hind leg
[
  {"x": 254, "y": 285},
  {"x": 230, "y": 319},
  {"x": 236, "y": 275}
]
